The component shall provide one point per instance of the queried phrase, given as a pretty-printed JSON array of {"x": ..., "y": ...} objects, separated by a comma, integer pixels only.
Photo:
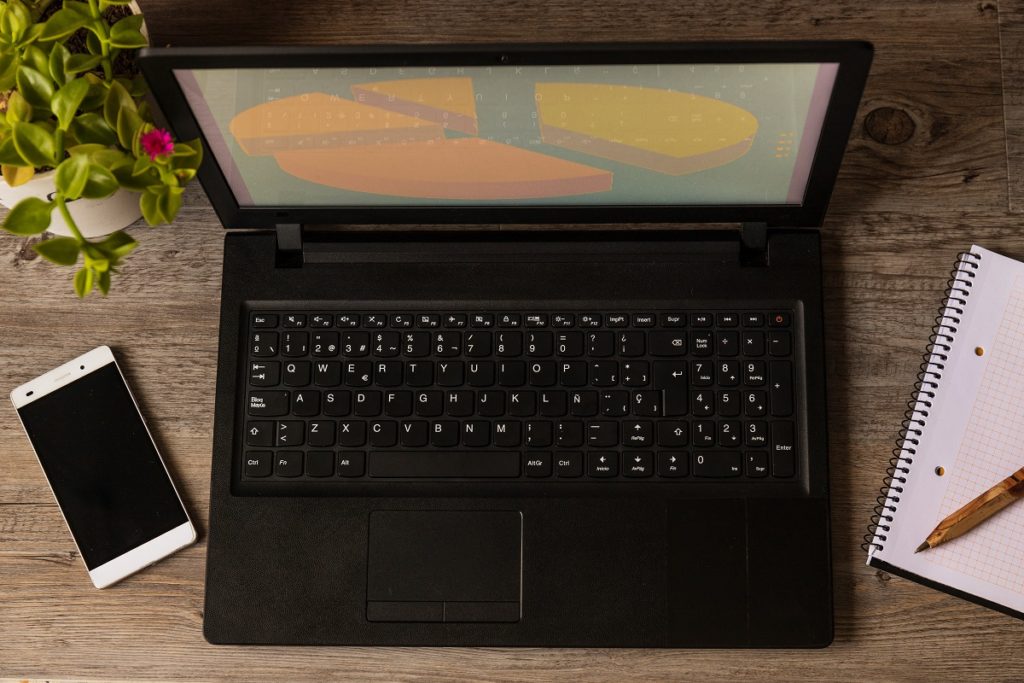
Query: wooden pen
[{"x": 977, "y": 511}]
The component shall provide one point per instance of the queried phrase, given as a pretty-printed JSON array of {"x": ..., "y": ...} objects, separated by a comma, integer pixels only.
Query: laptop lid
[{"x": 697, "y": 132}]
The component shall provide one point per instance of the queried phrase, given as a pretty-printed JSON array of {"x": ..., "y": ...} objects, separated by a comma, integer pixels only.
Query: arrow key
[
  {"x": 673, "y": 464},
  {"x": 638, "y": 464},
  {"x": 259, "y": 433},
  {"x": 603, "y": 463}
]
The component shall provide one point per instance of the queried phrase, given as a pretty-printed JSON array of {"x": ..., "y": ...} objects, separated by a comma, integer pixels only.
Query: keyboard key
[
  {"x": 702, "y": 343},
  {"x": 673, "y": 464},
  {"x": 638, "y": 434},
  {"x": 643, "y": 320},
  {"x": 259, "y": 433},
  {"x": 752, "y": 343},
  {"x": 257, "y": 463},
  {"x": 729, "y": 403},
  {"x": 730, "y": 433},
  {"x": 614, "y": 403},
  {"x": 264, "y": 320},
  {"x": 351, "y": 463},
  {"x": 779, "y": 343},
  {"x": 414, "y": 434},
  {"x": 295, "y": 344},
  {"x": 264, "y": 373},
  {"x": 590, "y": 320},
  {"x": 703, "y": 373},
  {"x": 478, "y": 344},
  {"x": 537, "y": 320},
  {"x": 319, "y": 463},
  {"x": 539, "y": 434},
  {"x": 756, "y": 434},
  {"x": 604, "y": 373},
  {"x": 583, "y": 403},
  {"x": 427, "y": 321},
  {"x": 543, "y": 373},
  {"x": 507, "y": 434},
  {"x": 729, "y": 373},
  {"x": 781, "y": 388},
  {"x": 603, "y": 464},
  {"x": 510, "y": 320},
  {"x": 351, "y": 433},
  {"x": 288, "y": 464},
  {"x": 444, "y": 434},
  {"x": 638, "y": 464},
  {"x": 337, "y": 403},
  {"x": 600, "y": 344},
  {"x": 646, "y": 403},
  {"x": 416, "y": 344},
  {"x": 508, "y": 344},
  {"x": 358, "y": 373},
  {"x": 757, "y": 464},
  {"x": 602, "y": 434},
  {"x": 321, "y": 320},
  {"x": 728, "y": 320},
  {"x": 386, "y": 344},
  {"x": 673, "y": 320},
  {"x": 753, "y": 320},
  {"x": 728, "y": 343},
  {"x": 355, "y": 344},
  {"x": 673, "y": 433},
  {"x": 383, "y": 434},
  {"x": 755, "y": 403},
  {"x": 290, "y": 433},
  {"x": 538, "y": 464},
  {"x": 444, "y": 464},
  {"x": 481, "y": 320},
  {"x": 320, "y": 433},
  {"x": 703, "y": 433},
  {"x": 539, "y": 344},
  {"x": 375, "y": 320},
  {"x": 618, "y": 320},
  {"x": 636, "y": 373},
  {"x": 717, "y": 464},
  {"x": 294, "y": 320},
  {"x": 670, "y": 378},
  {"x": 563, "y": 320},
  {"x": 268, "y": 403},
  {"x": 667, "y": 343},
  {"x": 569, "y": 465},
  {"x": 325, "y": 344},
  {"x": 569, "y": 344},
  {"x": 569, "y": 434},
  {"x": 297, "y": 374},
  {"x": 346, "y": 320},
  {"x": 630, "y": 344},
  {"x": 701, "y": 319},
  {"x": 779, "y": 319},
  {"x": 783, "y": 450},
  {"x": 455, "y": 320},
  {"x": 401, "y": 320},
  {"x": 263, "y": 344}
]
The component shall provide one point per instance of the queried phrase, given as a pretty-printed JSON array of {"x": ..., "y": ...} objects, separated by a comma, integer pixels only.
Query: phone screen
[{"x": 105, "y": 472}]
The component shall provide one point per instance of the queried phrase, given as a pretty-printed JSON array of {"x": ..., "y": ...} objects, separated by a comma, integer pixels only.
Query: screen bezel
[
  {"x": 853, "y": 57},
  {"x": 152, "y": 549}
]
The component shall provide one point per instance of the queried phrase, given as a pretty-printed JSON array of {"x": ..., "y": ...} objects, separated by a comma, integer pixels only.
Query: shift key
[{"x": 268, "y": 403}]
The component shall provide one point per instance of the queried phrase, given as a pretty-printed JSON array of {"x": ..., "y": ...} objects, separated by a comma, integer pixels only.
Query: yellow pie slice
[{"x": 448, "y": 102}]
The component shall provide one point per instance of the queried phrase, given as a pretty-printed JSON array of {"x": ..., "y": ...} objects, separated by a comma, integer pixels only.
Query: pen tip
[{"x": 923, "y": 546}]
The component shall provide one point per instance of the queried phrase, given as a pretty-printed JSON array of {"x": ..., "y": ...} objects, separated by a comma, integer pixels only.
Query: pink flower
[{"x": 157, "y": 142}]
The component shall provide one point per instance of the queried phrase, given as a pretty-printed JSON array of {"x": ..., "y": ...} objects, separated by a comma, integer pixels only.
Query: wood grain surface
[{"x": 933, "y": 165}]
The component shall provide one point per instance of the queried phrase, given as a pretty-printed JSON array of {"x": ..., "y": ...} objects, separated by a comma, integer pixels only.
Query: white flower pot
[{"x": 94, "y": 217}]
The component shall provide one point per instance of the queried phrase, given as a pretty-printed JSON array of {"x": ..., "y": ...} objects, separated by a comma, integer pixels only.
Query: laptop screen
[{"x": 595, "y": 135}]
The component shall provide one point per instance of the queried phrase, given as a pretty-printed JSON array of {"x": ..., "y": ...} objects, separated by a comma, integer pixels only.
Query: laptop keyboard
[{"x": 566, "y": 396}]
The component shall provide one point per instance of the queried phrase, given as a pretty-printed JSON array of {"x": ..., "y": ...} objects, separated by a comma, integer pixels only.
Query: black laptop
[{"x": 530, "y": 432}]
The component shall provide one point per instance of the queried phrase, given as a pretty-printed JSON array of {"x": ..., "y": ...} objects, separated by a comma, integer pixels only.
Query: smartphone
[{"x": 103, "y": 467}]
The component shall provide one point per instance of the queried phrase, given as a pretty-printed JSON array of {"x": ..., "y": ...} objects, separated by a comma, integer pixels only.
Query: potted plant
[{"x": 79, "y": 152}]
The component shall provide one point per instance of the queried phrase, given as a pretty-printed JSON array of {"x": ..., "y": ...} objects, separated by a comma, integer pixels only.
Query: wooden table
[{"x": 935, "y": 163}]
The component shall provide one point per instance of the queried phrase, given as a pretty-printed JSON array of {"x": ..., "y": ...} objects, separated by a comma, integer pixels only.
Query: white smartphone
[{"x": 109, "y": 480}]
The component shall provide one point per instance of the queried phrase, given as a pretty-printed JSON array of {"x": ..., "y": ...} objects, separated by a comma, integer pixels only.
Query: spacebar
[{"x": 443, "y": 464}]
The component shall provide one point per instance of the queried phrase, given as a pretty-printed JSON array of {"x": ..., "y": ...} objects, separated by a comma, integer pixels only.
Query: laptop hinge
[
  {"x": 754, "y": 244},
  {"x": 289, "y": 245}
]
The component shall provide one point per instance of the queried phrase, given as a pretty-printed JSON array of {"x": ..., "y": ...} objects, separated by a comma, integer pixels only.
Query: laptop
[{"x": 575, "y": 420}]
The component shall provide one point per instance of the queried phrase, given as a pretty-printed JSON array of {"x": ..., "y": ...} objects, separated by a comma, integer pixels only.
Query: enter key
[{"x": 670, "y": 378}]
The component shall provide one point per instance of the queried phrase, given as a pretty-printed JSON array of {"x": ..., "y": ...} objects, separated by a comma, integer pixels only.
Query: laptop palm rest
[{"x": 444, "y": 566}]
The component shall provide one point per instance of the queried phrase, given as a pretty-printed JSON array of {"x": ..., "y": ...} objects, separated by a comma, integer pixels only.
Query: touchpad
[{"x": 445, "y": 566}]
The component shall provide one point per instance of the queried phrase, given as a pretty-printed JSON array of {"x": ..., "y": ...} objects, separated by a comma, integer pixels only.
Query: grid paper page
[{"x": 992, "y": 448}]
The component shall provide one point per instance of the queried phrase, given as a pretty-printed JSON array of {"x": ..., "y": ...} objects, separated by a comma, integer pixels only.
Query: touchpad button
[{"x": 450, "y": 566}]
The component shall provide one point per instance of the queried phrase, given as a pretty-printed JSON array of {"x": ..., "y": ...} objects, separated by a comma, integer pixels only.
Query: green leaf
[
  {"x": 110, "y": 158},
  {"x": 104, "y": 4},
  {"x": 36, "y": 88},
  {"x": 59, "y": 57},
  {"x": 126, "y": 33},
  {"x": 99, "y": 183},
  {"x": 79, "y": 63},
  {"x": 37, "y": 59},
  {"x": 66, "y": 101},
  {"x": 97, "y": 92},
  {"x": 17, "y": 175},
  {"x": 10, "y": 60},
  {"x": 127, "y": 180},
  {"x": 118, "y": 245},
  {"x": 63, "y": 23},
  {"x": 92, "y": 128},
  {"x": 60, "y": 250},
  {"x": 149, "y": 202},
  {"x": 18, "y": 109},
  {"x": 83, "y": 282},
  {"x": 104, "y": 282},
  {"x": 15, "y": 21},
  {"x": 9, "y": 154},
  {"x": 170, "y": 203},
  {"x": 93, "y": 44},
  {"x": 34, "y": 144},
  {"x": 30, "y": 216},
  {"x": 87, "y": 149},
  {"x": 72, "y": 175},
  {"x": 129, "y": 125},
  {"x": 117, "y": 100}
]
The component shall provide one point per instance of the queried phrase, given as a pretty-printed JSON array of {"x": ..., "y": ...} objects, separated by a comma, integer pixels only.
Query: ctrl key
[{"x": 257, "y": 463}]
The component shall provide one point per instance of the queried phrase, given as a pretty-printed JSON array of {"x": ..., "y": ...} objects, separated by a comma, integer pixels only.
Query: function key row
[{"x": 516, "y": 320}]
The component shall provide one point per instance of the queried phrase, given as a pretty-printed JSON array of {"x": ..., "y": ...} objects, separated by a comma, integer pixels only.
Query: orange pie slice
[{"x": 449, "y": 102}]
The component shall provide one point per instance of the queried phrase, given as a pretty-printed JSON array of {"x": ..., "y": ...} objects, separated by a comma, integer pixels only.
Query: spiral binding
[{"x": 936, "y": 353}]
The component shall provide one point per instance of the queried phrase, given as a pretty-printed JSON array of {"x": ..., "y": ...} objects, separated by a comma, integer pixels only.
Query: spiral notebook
[{"x": 963, "y": 433}]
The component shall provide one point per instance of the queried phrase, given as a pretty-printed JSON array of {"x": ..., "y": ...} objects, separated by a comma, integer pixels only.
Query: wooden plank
[
  {"x": 1011, "y": 42},
  {"x": 900, "y": 214}
]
